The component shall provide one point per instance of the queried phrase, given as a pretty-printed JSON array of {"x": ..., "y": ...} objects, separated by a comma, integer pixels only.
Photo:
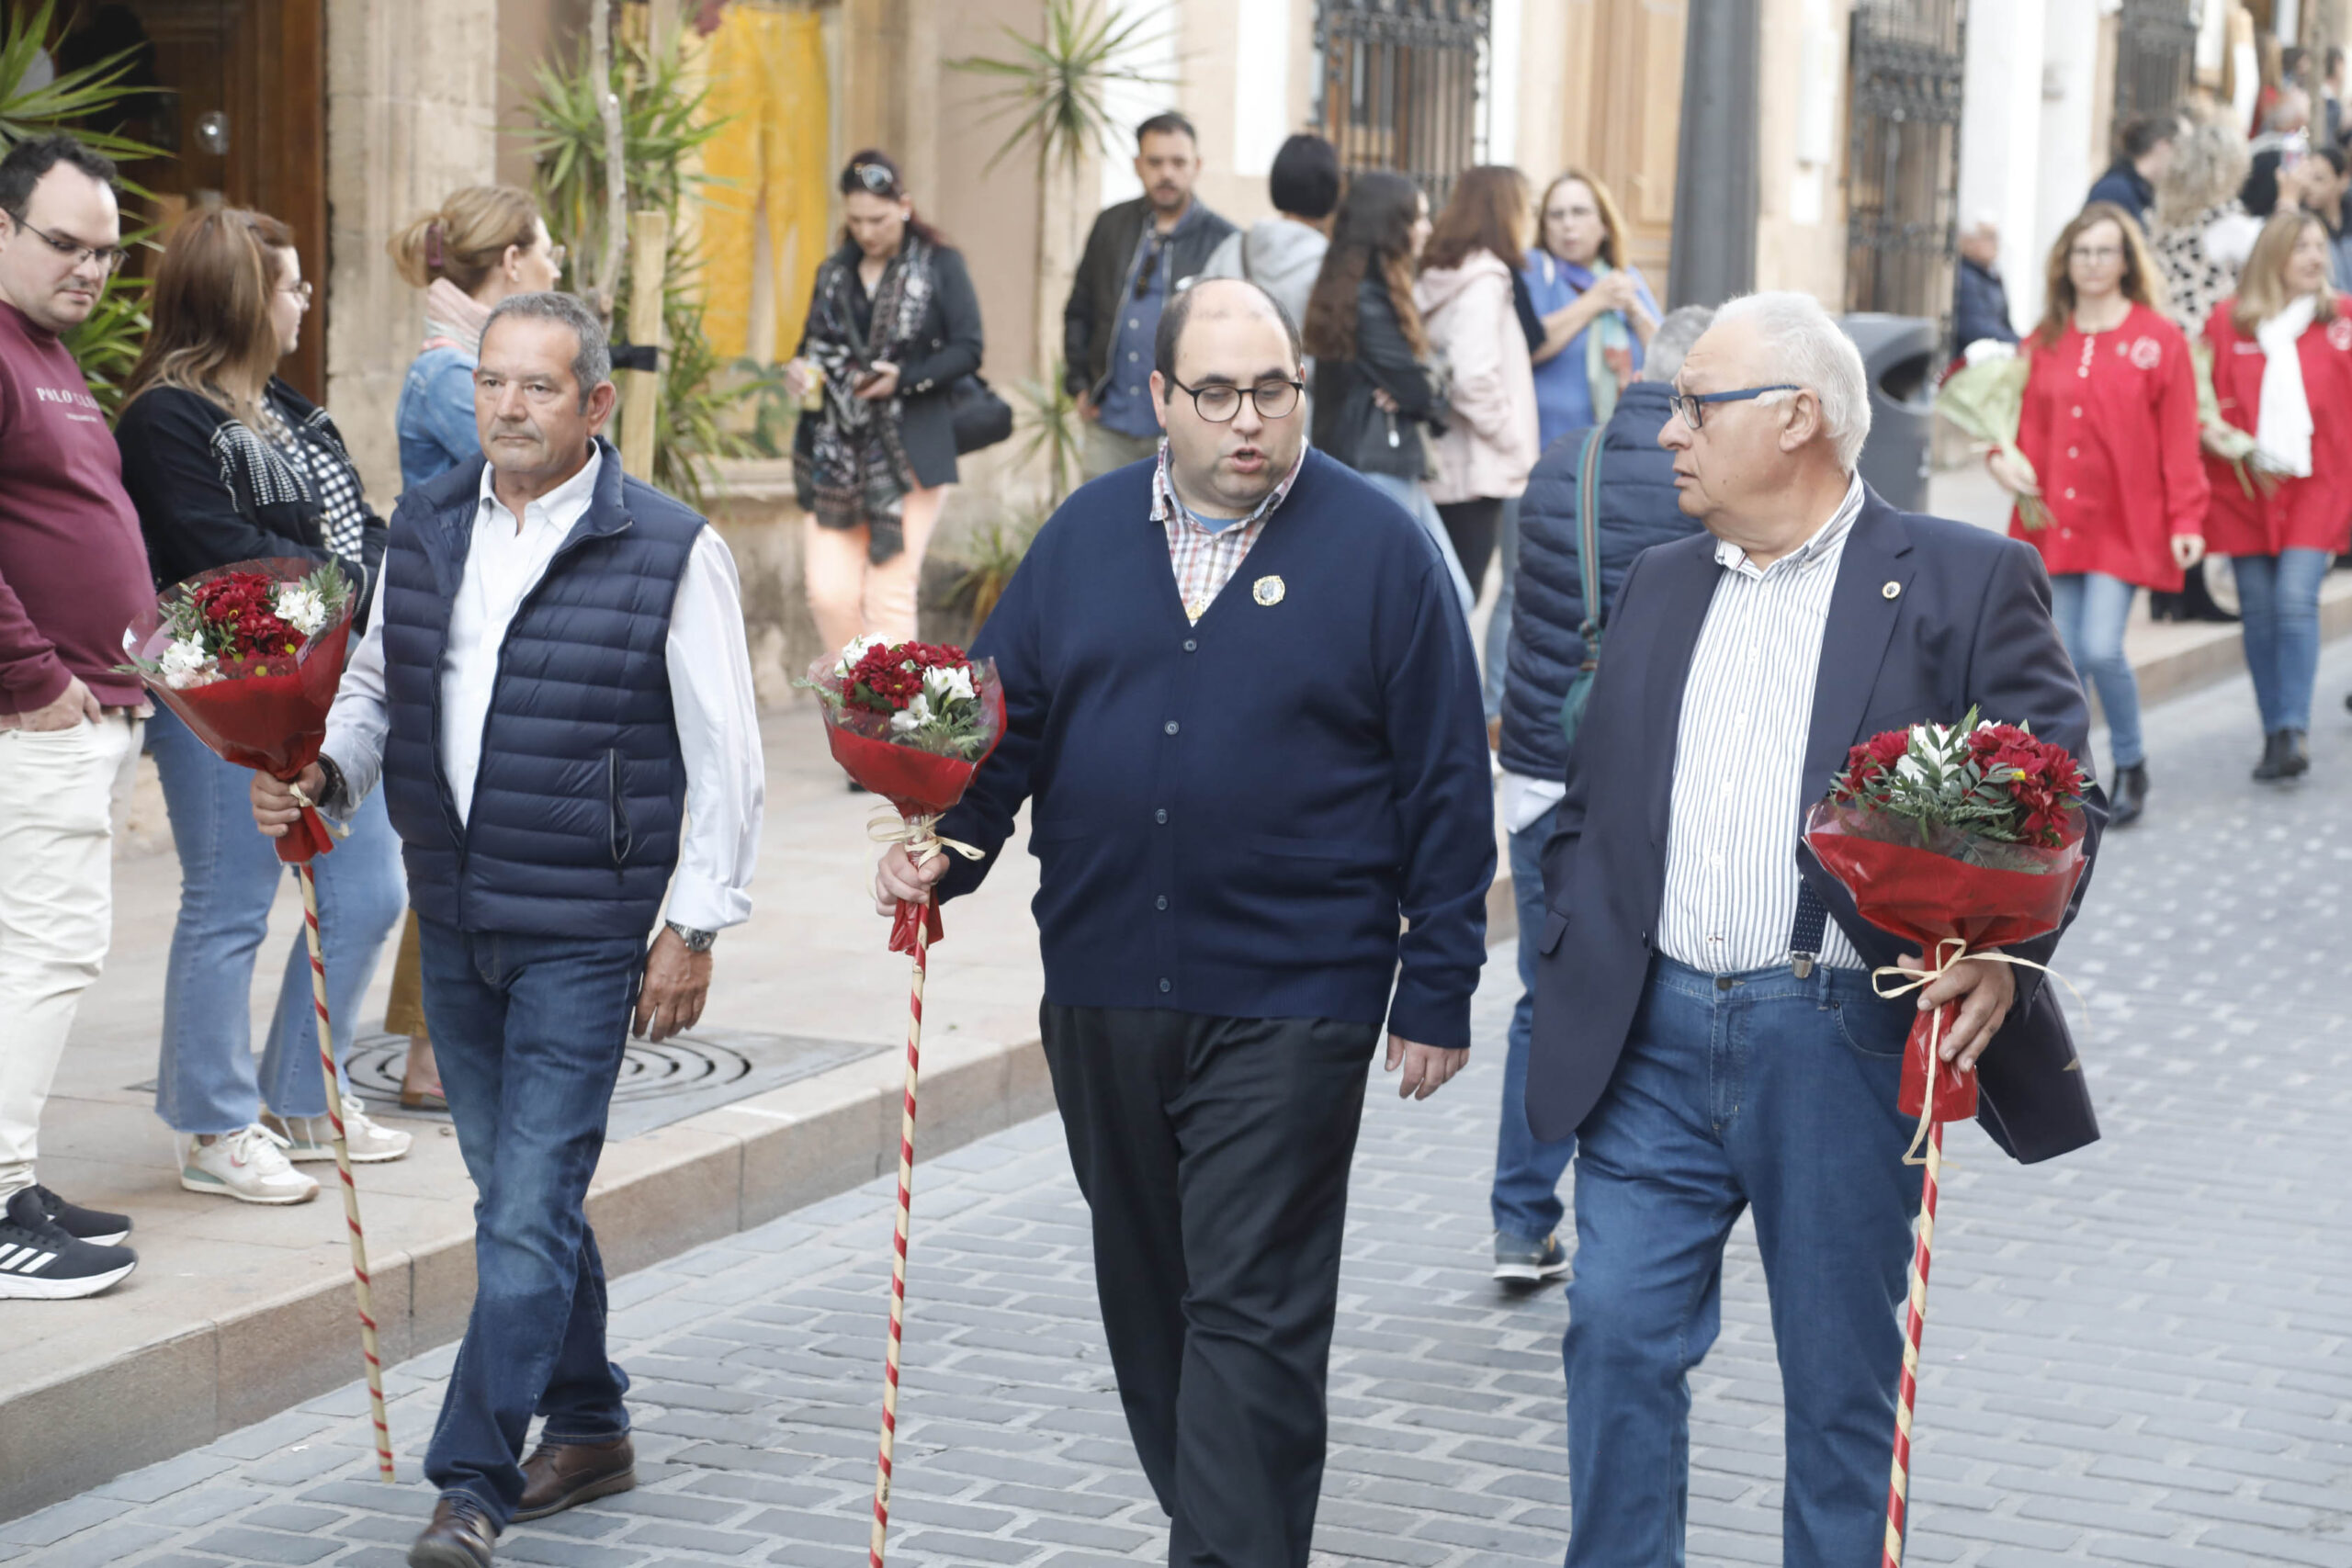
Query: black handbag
[{"x": 981, "y": 418}]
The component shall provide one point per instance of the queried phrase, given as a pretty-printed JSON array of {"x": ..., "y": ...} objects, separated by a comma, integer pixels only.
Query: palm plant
[
  {"x": 662, "y": 123},
  {"x": 992, "y": 554},
  {"x": 1054, "y": 88},
  {"x": 1049, "y": 416},
  {"x": 107, "y": 344}
]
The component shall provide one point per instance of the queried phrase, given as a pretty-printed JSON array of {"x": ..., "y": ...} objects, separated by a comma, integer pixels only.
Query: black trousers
[
  {"x": 1214, "y": 1153},
  {"x": 1473, "y": 526}
]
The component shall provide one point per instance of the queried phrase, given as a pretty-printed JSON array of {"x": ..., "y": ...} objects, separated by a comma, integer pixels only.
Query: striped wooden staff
[
  {"x": 899, "y": 1256},
  {"x": 343, "y": 1168},
  {"x": 1898, "y": 1487}
]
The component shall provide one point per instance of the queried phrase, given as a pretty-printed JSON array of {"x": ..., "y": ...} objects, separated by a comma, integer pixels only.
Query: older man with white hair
[{"x": 1705, "y": 1023}]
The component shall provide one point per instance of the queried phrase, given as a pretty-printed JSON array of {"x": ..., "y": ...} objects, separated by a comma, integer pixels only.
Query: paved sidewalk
[{"x": 2140, "y": 1354}]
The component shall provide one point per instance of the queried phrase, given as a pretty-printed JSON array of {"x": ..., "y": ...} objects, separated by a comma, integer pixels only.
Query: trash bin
[{"x": 1899, "y": 361}]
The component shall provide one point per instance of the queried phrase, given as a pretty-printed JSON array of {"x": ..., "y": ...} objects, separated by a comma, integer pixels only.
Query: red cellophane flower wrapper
[
  {"x": 261, "y": 708},
  {"x": 1921, "y": 884},
  {"x": 923, "y": 784}
]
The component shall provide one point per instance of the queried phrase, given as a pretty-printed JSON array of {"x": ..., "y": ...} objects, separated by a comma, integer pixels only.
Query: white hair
[{"x": 1803, "y": 346}]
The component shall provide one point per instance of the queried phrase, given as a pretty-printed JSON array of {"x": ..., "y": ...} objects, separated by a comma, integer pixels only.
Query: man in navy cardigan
[
  {"x": 1241, "y": 697},
  {"x": 1705, "y": 1023}
]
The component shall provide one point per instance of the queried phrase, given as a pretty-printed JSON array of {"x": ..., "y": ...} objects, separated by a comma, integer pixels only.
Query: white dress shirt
[
  {"x": 1738, "y": 806},
  {"x": 710, "y": 691}
]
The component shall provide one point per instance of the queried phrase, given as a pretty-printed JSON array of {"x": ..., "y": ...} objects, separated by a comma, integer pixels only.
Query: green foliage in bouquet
[
  {"x": 1965, "y": 790},
  {"x": 2222, "y": 438},
  {"x": 1986, "y": 401}
]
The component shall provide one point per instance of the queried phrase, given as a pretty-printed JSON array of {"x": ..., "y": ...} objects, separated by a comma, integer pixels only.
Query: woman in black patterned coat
[{"x": 227, "y": 463}]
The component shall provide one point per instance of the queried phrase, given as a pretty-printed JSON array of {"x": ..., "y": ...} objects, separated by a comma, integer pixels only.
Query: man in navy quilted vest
[
  {"x": 555, "y": 693},
  {"x": 1241, "y": 702}
]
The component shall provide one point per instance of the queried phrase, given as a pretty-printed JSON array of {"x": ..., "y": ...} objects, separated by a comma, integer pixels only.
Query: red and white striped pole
[
  {"x": 342, "y": 1168},
  {"x": 899, "y": 1256},
  {"x": 1898, "y": 1488}
]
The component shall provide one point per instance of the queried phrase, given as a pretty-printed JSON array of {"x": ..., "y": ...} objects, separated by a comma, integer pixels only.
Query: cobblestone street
[{"x": 2140, "y": 1354}]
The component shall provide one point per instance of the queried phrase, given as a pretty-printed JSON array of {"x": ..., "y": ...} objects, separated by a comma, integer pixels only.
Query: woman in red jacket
[
  {"x": 2110, "y": 426},
  {"x": 2282, "y": 373}
]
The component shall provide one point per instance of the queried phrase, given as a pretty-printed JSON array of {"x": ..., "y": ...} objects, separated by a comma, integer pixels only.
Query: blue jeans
[
  {"x": 1498, "y": 619},
  {"x": 1414, "y": 498},
  {"x": 2091, "y": 609},
  {"x": 1526, "y": 1199},
  {"x": 2279, "y": 616},
  {"x": 229, "y": 876},
  {"x": 528, "y": 1033},
  {"x": 1757, "y": 1089}
]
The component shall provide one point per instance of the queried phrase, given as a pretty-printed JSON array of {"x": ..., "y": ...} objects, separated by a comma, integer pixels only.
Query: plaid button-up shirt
[{"x": 1204, "y": 561}]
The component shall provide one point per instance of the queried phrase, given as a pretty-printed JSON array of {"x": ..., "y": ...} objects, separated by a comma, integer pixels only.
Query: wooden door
[
  {"x": 241, "y": 115},
  {"x": 1636, "y": 120}
]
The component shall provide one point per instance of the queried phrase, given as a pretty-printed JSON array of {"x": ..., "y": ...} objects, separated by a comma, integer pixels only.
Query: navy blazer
[{"x": 1969, "y": 626}]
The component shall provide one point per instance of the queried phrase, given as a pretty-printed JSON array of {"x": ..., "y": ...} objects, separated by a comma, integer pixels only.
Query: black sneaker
[
  {"x": 94, "y": 1225},
  {"x": 1529, "y": 1262},
  {"x": 40, "y": 1262}
]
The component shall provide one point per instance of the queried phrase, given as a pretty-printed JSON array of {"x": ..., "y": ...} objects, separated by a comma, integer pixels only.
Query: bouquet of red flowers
[
  {"x": 249, "y": 655},
  {"x": 912, "y": 721},
  {"x": 1961, "y": 837}
]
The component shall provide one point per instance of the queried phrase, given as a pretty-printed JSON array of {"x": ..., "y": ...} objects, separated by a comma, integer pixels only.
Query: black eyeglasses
[
  {"x": 875, "y": 178},
  {"x": 1689, "y": 404},
  {"x": 1219, "y": 401},
  {"x": 110, "y": 257}
]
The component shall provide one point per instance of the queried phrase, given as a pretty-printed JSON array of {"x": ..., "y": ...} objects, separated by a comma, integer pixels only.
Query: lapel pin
[
  {"x": 1267, "y": 590},
  {"x": 1891, "y": 591}
]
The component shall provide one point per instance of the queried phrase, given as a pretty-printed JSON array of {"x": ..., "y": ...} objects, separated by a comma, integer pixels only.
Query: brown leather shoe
[
  {"x": 558, "y": 1475},
  {"x": 460, "y": 1536}
]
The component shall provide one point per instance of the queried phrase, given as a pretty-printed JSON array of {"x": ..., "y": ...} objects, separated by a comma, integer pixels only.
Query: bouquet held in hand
[
  {"x": 911, "y": 722},
  {"x": 1987, "y": 399},
  {"x": 249, "y": 656},
  {"x": 1961, "y": 837}
]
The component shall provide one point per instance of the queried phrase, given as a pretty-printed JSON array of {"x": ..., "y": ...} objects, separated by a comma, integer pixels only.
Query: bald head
[{"x": 1219, "y": 300}]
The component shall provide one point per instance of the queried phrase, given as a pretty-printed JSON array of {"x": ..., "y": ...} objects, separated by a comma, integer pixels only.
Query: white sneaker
[
  {"x": 248, "y": 1165},
  {"x": 312, "y": 1138}
]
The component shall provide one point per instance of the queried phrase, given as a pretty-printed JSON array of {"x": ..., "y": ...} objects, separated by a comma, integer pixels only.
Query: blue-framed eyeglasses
[{"x": 1689, "y": 404}]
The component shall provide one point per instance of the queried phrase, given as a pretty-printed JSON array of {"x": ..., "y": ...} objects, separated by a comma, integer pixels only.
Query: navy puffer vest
[{"x": 574, "y": 824}]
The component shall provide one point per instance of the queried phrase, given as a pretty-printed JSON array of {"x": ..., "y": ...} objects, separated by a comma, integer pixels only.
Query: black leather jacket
[
  {"x": 1349, "y": 424},
  {"x": 1090, "y": 320}
]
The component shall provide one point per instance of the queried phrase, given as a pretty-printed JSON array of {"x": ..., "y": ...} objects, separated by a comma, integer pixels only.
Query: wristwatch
[{"x": 697, "y": 941}]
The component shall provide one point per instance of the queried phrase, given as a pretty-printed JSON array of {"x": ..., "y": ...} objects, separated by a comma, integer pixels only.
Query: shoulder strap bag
[{"x": 1589, "y": 573}]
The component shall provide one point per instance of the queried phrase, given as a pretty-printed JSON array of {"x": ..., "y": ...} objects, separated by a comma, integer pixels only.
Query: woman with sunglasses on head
[
  {"x": 2110, "y": 427},
  {"x": 893, "y": 322},
  {"x": 482, "y": 244},
  {"x": 224, "y": 463},
  {"x": 2282, "y": 373},
  {"x": 1379, "y": 398}
]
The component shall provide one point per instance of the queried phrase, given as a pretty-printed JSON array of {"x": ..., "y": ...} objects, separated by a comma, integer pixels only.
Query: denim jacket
[{"x": 436, "y": 418}]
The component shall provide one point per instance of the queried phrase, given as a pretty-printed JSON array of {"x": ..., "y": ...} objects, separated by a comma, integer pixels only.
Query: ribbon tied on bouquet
[
  {"x": 923, "y": 845},
  {"x": 1893, "y": 980}
]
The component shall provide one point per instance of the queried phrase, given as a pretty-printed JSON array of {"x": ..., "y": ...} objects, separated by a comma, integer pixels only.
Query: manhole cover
[{"x": 659, "y": 1083}]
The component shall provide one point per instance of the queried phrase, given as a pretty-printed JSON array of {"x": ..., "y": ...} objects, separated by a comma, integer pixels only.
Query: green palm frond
[
  {"x": 1048, "y": 414},
  {"x": 1053, "y": 87}
]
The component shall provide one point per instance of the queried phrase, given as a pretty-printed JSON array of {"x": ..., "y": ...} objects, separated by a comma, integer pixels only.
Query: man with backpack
[{"x": 1633, "y": 508}]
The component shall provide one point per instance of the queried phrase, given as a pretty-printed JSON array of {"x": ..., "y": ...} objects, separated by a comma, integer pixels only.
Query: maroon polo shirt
[{"x": 72, "y": 568}]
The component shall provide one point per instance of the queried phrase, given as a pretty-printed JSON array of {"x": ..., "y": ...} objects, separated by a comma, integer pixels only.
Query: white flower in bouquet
[
  {"x": 944, "y": 685},
  {"x": 914, "y": 715},
  {"x": 187, "y": 665},
  {"x": 301, "y": 606},
  {"x": 858, "y": 647}
]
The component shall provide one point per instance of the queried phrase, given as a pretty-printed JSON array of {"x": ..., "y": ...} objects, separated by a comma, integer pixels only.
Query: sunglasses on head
[{"x": 875, "y": 178}]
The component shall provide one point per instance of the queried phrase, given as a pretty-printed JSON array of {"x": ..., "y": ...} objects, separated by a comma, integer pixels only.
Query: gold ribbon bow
[
  {"x": 340, "y": 829},
  {"x": 923, "y": 845},
  {"x": 1913, "y": 980}
]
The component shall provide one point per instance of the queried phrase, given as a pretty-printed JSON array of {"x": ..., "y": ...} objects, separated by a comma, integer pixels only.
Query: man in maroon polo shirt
[{"x": 72, "y": 573}]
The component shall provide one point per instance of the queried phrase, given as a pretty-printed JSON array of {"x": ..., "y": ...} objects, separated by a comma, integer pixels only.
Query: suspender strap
[{"x": 1812, "y": 925}]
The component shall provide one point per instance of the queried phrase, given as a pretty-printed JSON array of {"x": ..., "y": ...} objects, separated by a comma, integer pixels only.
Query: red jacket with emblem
[
  {"x": 2311, "y": 512},
  {"x": 2110, "y": 424}
]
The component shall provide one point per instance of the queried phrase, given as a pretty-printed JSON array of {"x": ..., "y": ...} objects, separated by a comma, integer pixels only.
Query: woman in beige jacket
[{"x": 1464, "y": 298}]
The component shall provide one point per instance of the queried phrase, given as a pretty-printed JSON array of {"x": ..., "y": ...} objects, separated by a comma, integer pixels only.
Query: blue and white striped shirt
[{"x": 1731, "y": 870}]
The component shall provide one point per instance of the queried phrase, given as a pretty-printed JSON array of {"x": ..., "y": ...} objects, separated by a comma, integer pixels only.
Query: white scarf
[{"x": 2282, "y": 435}]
